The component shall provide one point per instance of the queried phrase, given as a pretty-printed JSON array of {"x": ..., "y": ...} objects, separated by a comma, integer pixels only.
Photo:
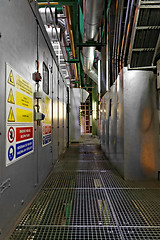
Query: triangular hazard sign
[
  {"x": 10, "y": 97},
  {"x": 11, "y": 116},
  {"x": 11, "y": 79}
]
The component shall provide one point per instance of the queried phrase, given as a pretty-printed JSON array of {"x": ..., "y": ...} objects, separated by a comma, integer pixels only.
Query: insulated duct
[
  {"x": 46, "y": 15},
  {"x": 93, "y": 13},
  {"x": 52, "y": 33}
]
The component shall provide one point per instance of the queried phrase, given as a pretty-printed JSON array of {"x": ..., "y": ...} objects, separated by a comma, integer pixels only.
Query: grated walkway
[{"x": 84, "y": 198}]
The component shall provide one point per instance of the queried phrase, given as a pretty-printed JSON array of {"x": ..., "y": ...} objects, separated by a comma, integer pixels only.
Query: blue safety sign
[
  {"x": 46, "y": 139},
  {"x": 24, "y": 148},
  {"x": 11, "y": 153}
]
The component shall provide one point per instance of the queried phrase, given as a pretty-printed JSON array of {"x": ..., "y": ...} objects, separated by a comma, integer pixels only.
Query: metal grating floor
[{"x": 84, "y": 198}]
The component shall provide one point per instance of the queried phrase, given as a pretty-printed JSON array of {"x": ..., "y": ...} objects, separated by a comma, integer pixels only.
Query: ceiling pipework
[
  {"x": 55, "y": 35},
  {"x": 93, "y": 13}
]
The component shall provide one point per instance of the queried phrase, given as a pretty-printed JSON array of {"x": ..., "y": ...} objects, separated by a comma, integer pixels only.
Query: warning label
[
  {"x": 46, "y": 124},
  {"x": 11, "y": 134},
  {"x": 19, "y": 116},
  {"x": 24, "y": 101},
  {"x": 11, "y": 117},
  {"x": 24, "y": 86},
  {"x": 11, "y": 153},
  {"x": 23, "y": 148},
  {"x": 24, "y": 116},
  {"x": 46, "y": 139},
  {"x": 10, "y": 97},
  {"x": 46, "y": 129},
  {"x": 23, "y": 133},
  {"x": 11, "y": 79}
]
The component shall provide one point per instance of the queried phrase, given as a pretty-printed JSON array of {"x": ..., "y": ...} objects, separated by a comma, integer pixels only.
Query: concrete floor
[{"x": 85, "y": 198}]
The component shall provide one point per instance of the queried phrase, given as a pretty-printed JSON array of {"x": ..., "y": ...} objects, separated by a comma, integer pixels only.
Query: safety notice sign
[
  {"x": 46, "y": 124},
  {"x": 19, "y": 116}
]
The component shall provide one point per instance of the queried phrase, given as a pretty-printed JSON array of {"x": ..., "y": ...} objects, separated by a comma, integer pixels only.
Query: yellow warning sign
[
  {"x": 11, "y": 79},
  {"x": 10, "y": 97},
  {"x": 46, "y": 109},
  {"x": 23, "y": 85},
  {"x": 11, "y": 116},
  {"x": 24, "y": 101},
  {"x": 24, "y": 115}
]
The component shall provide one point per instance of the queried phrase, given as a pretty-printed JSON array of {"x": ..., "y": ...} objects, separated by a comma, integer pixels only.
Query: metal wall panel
[
  {"x": 55, "y": 112},
  {"x": 75, "y": 129},
  {"x": 140, "y": 125},
  {"x": 61, "y": 115},
  {"x": 65, "y": 117},
  {"x": 113, "y": 123},
  {"x": 131, "y": 120},
  {"x": 44, "y": 164},
  {"x": 103, "y": 123},
  {"x": 120, "y": 125},
  {"x": 19, "y": 48},
  {"x": 14, "y": 50},
  {"x": 107, "y": 123}
]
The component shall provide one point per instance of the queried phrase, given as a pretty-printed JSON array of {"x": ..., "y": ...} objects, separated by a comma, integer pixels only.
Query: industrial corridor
[{"x": 85, "y": 198}]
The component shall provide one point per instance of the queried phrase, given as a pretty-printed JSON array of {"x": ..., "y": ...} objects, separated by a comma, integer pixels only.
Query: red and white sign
[
  {"x": 24, "y": 133},
  {"x": 11, "y": 134},
  {"x": 46, "y": 129}
]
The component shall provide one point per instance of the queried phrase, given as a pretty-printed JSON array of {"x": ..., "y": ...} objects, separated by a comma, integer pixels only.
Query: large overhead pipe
[{"x": 93, "y": 13}]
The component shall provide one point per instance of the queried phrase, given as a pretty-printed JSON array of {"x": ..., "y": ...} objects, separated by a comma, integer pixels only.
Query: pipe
[
  {"x": 46, "y": 4},
  {"x": 93, "y": 13},
  {"x": 54, "y": 23},
  {"x": 68, "y": 16}
]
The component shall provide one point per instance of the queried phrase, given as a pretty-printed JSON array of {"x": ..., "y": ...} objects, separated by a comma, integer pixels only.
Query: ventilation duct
[
  {"x": 52, "y": 33},
  {"x": 93, "y": 13},
  {"x": 46, "y": 15}
]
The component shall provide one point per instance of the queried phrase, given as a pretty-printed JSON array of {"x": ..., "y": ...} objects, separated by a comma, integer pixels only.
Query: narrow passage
[{"x": 85, "y": 198}]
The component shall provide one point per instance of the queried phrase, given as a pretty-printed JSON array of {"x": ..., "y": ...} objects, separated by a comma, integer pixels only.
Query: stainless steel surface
[
  {"x": 133, "y": 125},
  {"x": 89, "y": 203},
  {"x": 93, "y": 13},
  {"x": 75, "y": 129},
  {"x": 113, "y": 124},
  {"x": 52, "y": 33},
  {"x": 120, "y": 125},
  {"x": 46, "y": 15},
  {"x": 140, "y": 125},
  {"x": 19, "y": 49}
]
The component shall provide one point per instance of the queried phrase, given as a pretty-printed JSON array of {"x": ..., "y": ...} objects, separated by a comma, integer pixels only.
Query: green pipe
[{"x": 59, "y": 9}]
